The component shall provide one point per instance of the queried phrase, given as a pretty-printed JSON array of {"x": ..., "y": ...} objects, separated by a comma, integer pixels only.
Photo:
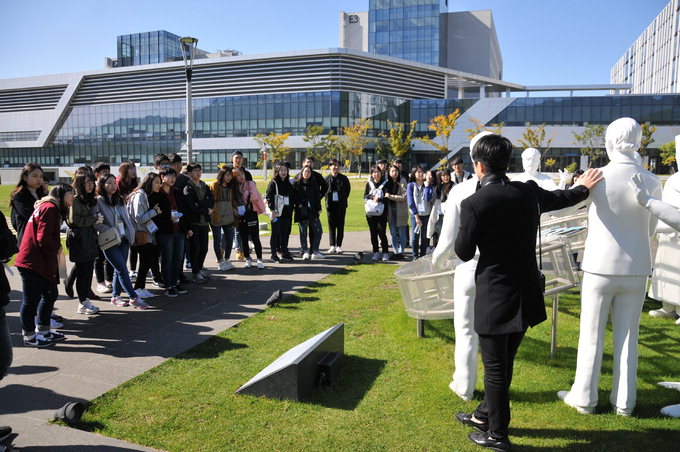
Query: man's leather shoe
[
  {"x": 484, "y": 440},
  {"x": 466, "y": 419}
]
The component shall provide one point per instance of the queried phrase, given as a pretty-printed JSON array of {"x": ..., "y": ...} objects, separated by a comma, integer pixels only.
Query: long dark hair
[
  {"x": 443, "y": 188},
  {"x": 58, "y": 192},
  {"x": 21, "y": 184},
  {"x": 80, "y": 192},
  {"x": 223, "y": 172},
  {"x": 116, "y": 199},
  {"x": 414, "y": 170},
  {"x": 146, "y": 184},
  {"x": 375, "y": 168},
  {"x": 276, "y": 172}
]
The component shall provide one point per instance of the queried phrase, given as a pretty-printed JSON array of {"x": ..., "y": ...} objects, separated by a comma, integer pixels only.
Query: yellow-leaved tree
[
  {"x": 356, "y": 139},
  {"x": 275, "y": 144},
  {"x": 398, "y": 139},
  {"x": 442, "y": 126}
]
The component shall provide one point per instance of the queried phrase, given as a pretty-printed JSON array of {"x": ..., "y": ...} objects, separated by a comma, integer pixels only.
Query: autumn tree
[
  {"x": 397, "y": 139},
  {"x": 321, "y": 147},
  {"x": 478, "y": 127},
  {"x": 667, "y": 153},
  {"x": 590, "y": 142},
  {"x": 275, "y": 144},
  {"x": 442, "y": 126},
  {"x": 356, "y": 139},
  {"x": 535, "y": 137},
  {"x": 647, "y": 132}
]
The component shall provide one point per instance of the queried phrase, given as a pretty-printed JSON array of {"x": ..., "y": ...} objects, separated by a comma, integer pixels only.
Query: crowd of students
[{"x": 121, "y": 228}]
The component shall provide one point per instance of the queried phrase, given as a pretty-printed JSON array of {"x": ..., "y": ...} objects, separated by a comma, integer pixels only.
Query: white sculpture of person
[
  {"x": 670, "y": 215},
  {"x": 465, "y": 354},
  {"x": 616, "y": 264},
  {"x": 531, "y": 162}
]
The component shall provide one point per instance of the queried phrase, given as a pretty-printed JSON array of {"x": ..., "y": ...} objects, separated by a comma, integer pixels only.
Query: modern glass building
[
  {"x": 148, "y": 48},
  {"x": 408, "y": 29}
]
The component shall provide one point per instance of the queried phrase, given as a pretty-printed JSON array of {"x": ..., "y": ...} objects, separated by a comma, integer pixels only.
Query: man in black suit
[{"x": 501, "y": 219}]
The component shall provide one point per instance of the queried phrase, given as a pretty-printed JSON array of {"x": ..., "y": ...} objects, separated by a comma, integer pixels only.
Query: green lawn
[{"x": 393, "y": 393}]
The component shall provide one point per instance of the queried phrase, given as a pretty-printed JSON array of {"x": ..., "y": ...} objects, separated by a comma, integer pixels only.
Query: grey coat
[
  {"x": 109, "y": 212},
  {"x": 140, "y": 214}
]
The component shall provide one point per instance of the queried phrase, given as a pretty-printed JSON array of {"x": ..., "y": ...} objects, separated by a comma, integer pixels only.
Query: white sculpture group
[{"x": 616, "y": 264}]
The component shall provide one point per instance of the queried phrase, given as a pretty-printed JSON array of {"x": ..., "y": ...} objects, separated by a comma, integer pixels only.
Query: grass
[{"x": 393, "y": 393}]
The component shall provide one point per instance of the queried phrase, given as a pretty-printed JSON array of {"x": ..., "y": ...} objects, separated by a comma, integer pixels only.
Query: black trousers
[
  {"x": 378, "y": 229},
  {"x": 102, "y": 268},
  {"x": 148, "y": 260},
  {"x": 498, "y": 356},
  {"x": 250, "y": 233},
  {"x": 336, "y": 226},
  {"x": 198, "y": 243}
]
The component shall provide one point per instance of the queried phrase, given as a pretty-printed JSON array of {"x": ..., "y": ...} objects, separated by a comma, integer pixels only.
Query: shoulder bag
[{"x": 375, "y": 208}]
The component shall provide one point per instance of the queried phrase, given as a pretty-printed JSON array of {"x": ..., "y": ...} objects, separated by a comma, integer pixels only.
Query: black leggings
[
  {"x": 198, "y": 247},
  {"x": 253, "y": 234},
  {"x": 148, "y": 260}
]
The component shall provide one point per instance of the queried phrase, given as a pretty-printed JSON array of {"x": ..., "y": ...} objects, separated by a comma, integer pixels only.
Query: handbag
[
  {"x": 250, "y": 217},
  {"x": 225, "y": 212},
  {"x": 141, "y": 238},
  {"x": 81, "y": 244},
  {"x": 279, "y": 203},
  {"x": 8, "y": 245},
  {"x": 375, "y": 208},
  {"x": 109, "y": 238}
]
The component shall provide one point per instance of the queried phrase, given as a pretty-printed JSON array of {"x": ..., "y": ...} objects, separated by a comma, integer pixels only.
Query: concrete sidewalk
[{"x": 119, "y": 343}]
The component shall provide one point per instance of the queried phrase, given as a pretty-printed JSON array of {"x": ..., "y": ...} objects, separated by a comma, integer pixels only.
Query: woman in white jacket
[
  {"x": 110, "y": 205},
  {"x": 141, "y": 217}
]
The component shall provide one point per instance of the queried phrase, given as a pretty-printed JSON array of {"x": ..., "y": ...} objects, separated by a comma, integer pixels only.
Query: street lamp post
[{"x": 188, "y": 45}]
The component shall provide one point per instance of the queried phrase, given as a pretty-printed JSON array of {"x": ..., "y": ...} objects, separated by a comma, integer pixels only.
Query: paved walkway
[{"x": 119, "y": 343}]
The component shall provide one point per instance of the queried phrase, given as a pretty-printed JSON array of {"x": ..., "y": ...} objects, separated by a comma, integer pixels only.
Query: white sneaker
[
  {"x": 56, "y": 324},
  {"x": 260, "y": 264},
  {"x": 228, "y": 266},
  {"x": 139, "y": 303},
  {"x": 147, "y": 293},
  {"x": 103, "y": 288},
  {"x": 118, "y": 301},
  {"x": 376, "y": 257},
  {"x": 249, "y": 263},
  {"x": 203, "y": 273},
  {"x": 386, "y": 257},
  {"x": 305, "y": 256},
  {"x": 86, "y": 307},
  {"x": 338, "y": 250},
  {"x": 331, "y": 250},
  {"x": 318, "y": 255}
]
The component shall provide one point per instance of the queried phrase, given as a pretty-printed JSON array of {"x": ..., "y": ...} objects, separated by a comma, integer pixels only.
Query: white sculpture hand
[
  {"x": 640, "y": 189},
  {"x": 564, "y": 176}
]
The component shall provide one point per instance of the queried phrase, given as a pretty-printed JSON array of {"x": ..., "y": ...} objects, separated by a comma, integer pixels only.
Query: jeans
[
  {"x": 198, "y": 247},
  {"x": 102, "y": 268},
  {"x": 419, "y": 240},
  {"x": 398, "y": 233},
  {"x": 223, "y": 238},
  {"x": 313, "y": 225},
  {"x": 39, "y": 297},
  {"x": 280, "y": 235},
  {"x": 148, "y": 260},
  {"x": 118, "y": 256},
  {"x": 172, "y": 253},
  {"x": 5, "y": 343},
  {"x": 336, "y": 226},
  {"x": 378, "y": 229}
]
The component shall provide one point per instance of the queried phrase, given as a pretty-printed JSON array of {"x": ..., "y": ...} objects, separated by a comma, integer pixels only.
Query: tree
[
  {"x": 647, "y": 132},
  {"x": 275, "y": 144},
  {"x": 442, "y": 126},
  {"x": 321, "y": 147},
  {"x": 398, "y": 140},
  {"x": 355, "y": 139},
  {"x": 550, "y": 163},
  {"x": 536, "y": 138},
  {"x": 590, "y": 142},
  {"x": 667, "y": 153},
  {"x": 478, "y": 127}
]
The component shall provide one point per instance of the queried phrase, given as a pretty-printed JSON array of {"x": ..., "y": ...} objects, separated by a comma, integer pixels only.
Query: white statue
[
  {"x": 465, "y": 354},
  {"x": 616, "y": 264},
  {"x": 531, "y": 162},
  {"x": 670, "y": 215}
]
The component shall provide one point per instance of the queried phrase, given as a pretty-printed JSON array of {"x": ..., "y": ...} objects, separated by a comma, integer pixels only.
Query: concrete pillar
[
  {"x": 461, "y": 92},
  {"x": 482, "y": 91}
]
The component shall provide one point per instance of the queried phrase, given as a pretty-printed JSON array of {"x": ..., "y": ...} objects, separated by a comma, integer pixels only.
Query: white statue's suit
[
  {"x": 616, "y": 264},
  {"x": 465, "y": 354}
]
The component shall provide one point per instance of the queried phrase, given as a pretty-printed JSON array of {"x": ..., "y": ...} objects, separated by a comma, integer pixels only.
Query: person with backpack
[
  {"x": 376, "y": 213},
  {"x": 37, "y": 262}
]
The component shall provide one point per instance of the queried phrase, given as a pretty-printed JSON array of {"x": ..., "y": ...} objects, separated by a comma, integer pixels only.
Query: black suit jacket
[{"x": 501, "y": 218}]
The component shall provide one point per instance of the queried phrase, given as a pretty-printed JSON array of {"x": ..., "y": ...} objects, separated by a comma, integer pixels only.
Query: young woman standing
[
  {"x": 199, "y": 203},
  {"x": 307, "y": 210},
  {"x": 30, "y": 188},
  {"x": 250, "y": 205},
  {"x": 81, "y": 240},
  {"x": 141, "y": 215},
  {"x": 377, "y": 224},
  {"x": 222, "y": 218},
  {"x": 280, "y": 186},
  {"x": 127, "y": 181},
  {"x": 38, "y": 267},
  {"x": 419, "y": 196},
  {"x": 115, "y": 215},
  {"x": 397, "y": 213}
]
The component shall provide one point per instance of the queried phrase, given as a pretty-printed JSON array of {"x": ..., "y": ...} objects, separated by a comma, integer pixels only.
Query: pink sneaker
[
  {"x": 117, "y": 301},
  {"x": 139, "y": 303}
]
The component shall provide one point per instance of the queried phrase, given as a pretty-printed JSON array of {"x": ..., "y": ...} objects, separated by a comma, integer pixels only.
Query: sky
[{"x": 543, "y": 42}]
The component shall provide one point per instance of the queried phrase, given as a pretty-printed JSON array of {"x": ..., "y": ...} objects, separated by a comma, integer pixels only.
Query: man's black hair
[
  {"x": 167, "y": 172},
  {"x": 101, "y": 166},
  {"x": 494, "y": 152},
  {"x": 175, "y": 158},
  {"x": 158, "y": 158}
]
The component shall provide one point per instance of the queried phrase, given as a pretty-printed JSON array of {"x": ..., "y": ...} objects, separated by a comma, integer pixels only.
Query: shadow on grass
[
  {"x": 590, "y": 441},
  {"x": 356, "y": 379},
  {"x": 210, "y": 349}
]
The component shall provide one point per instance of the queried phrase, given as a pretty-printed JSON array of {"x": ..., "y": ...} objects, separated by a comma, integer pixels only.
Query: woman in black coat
[{"x": 280, "y": 187}]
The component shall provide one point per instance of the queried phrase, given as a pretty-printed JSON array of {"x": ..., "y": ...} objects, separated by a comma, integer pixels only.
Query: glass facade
[
  {"x": 20, "y": 136},
  {"x": 579, "y": 111},
  {"x": 407, "y": 29},
  {"x": 148, "y": 48}
]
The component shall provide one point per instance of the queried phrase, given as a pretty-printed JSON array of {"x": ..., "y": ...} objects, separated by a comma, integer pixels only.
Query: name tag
[
  {"x": 120, "y": 225},
  {"x": 286, "y": 201},
  {"x": 335, "y": 197},
  {"x": 421, "y": 208},
  {"x": 241, "y": 210}
]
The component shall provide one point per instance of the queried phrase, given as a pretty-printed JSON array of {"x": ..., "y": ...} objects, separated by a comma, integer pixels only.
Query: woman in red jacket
[{"x": 37, "y": 265}]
